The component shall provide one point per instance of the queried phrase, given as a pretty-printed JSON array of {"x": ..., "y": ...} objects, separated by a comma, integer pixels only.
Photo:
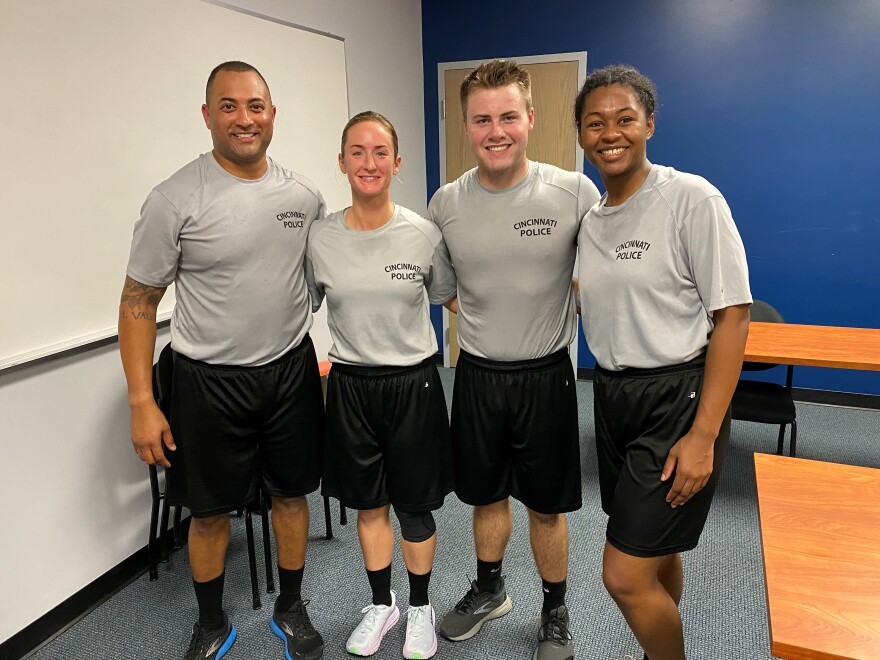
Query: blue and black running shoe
[
  {"x": 211, "y": 644},
  {"x": 301, "y": 640}
]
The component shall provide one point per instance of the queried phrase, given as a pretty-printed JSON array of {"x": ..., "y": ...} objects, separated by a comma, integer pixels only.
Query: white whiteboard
[{"x": 104, "y": 101}]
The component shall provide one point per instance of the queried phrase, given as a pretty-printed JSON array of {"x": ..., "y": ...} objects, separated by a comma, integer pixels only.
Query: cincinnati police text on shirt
[
  {"x": 631, "y": 249},
  {"x": 535, "y": 227},
  {"x": 292, "y": 219},
  {"x": 403, "y": 271}
]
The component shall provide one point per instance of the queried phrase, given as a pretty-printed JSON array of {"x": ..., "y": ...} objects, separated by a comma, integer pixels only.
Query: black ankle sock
[
  {"x": 210, "y": 598},
  {"x": 380, "y": 583},
  {"x": 554, "y": 595},
  {"x": 489, "y": 575},
  {"x": 418, "y": 588},
  {"x": 291, "y": 588}
]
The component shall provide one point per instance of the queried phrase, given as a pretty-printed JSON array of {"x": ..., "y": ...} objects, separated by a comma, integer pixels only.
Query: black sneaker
[
  {"x": 211, "y": 644},
  {"x": 470, "y": 613},
  {"x": 554, "y": 636},
  {"x": 301, "y": 640}
]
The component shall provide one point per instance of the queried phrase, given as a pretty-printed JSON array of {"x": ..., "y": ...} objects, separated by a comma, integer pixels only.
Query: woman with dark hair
[
  {"x": 665, "y": 301},
  {"x": 387, "y": 440}
]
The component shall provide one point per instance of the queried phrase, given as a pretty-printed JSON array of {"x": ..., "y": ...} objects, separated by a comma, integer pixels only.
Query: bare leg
[
  {"x": 548, "y": 534},
  {"x": 208, "y": 539},
  {"x": 419, "y": 557},
  {"x": 290, "y": 521},
  {"x": 376, "y": 537},
  {"x": 649, "y": 609},
  {"x": 492, "y": 529},
  {"x": 671, "y": 576}
]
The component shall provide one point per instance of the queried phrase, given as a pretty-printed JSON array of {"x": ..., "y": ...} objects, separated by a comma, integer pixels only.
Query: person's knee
[
  {"x": 210, "y": 526},
  {"x": 373, "y": 517},
  {"x": 416, "y": 527},
  {"x": 290, "y": 505},
  {"x": 622, "y": 582},
  {"x": 546, "y": 520}
]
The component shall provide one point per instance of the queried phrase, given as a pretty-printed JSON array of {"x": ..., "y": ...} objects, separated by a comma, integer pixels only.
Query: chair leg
[
  {"x": 252, "y": 560},
  {"x": 163, "y": 532},
  {"x": 780, "y": 442},
  {"x": 175, "y": 526},
  {"x": 343, "y": 517},
  {"x": 152, "y": 551},
  {"x": 267, "y": 545},
  {"x": 792, "y": 445},
  {"x": 328, "y": 523}
]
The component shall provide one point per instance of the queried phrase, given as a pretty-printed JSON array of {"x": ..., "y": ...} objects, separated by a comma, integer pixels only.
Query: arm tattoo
[{"x": 135, "y": 294}]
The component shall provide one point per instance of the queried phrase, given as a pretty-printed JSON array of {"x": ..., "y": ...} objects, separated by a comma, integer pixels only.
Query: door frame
[{"x": 581, "y": 58}]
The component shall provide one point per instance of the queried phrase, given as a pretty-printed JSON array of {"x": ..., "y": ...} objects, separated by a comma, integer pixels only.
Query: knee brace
[{"x": 416, "y": 527}]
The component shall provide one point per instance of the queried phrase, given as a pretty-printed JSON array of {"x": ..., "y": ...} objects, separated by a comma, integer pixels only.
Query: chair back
[{"x": 762, "y": 312}]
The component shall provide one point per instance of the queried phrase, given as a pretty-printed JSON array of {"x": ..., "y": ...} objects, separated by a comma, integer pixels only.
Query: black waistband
[
  {"x": 697, "y": 364},
  {"x": 305, "y": 344},
  {"x": 362, "y": 371},
  {"x": 516, "y": 365}
]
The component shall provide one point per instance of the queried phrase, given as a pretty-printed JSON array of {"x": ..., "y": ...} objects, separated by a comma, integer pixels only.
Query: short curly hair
[{"x": 617, "y": 74}]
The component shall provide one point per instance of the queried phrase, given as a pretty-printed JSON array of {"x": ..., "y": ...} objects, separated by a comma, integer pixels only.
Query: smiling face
[
  {"x": 368, "y": 159},
  {"x": 497, "y": 124},
  {"x": 240, "y": 115},
  {"x": 614, "y": 131}
]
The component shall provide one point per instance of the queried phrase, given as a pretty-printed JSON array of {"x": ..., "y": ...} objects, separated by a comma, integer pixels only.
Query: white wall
[{"x": 76, "y": 497}]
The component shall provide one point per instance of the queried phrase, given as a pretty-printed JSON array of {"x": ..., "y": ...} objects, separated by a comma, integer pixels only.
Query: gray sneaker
[
  {"x": 468, "y": 616},
  {"x": 554, "y": 636}
]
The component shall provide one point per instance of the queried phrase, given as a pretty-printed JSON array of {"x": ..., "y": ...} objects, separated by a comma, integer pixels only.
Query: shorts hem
[
  {"x": 480, "y": 502},
  {"x": 433, "y": 505},
  {"x": 355, "y": 504},
  {"x": 567, "y": 508},
  {"x": 650, "y": 552},
  {"x": 300, "y": 492},
  {"x": 216, "y": 511}
]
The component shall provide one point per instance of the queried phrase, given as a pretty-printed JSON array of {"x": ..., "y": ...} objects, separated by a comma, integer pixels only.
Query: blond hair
[{"x": 370, "y": 115}]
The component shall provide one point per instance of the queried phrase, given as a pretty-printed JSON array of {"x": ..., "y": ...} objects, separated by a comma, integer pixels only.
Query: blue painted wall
[{"x": 776, "y": 102}]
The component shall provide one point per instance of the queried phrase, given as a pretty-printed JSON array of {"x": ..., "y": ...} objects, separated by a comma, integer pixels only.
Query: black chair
[
  {"x": 767, "y": 403},
  {"x": 157, "y": 544}
]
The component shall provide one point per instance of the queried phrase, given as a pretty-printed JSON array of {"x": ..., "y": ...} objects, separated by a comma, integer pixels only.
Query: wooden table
[
  {"x": 820, "y": 535},
  {"x": 814, "y": 346}
]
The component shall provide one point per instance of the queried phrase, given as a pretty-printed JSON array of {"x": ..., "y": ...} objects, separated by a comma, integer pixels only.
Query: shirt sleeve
[
  {"x": 155, "y": 244},
  {"x": 588, "y": 195},
  {"x": 714, "y": 252},
  {"x": 322, "y": 205},
  {"x": 316, "y": 291},
  {"x": 441, "y": 282}
]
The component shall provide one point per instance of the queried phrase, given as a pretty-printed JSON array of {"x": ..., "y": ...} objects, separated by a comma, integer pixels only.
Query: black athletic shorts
[
  {"x": 640, "y": 414},
  {"x": 233, "y": 425},
  {"x": 515, "y": 432},
  {"x": 387, "y": 438}
]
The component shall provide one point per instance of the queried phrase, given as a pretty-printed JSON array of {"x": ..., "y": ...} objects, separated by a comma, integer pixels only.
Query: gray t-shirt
[
  {"x": 513, "y": 255},
  {"x": 235, "y": 250},
  {"x": 377, "y": 284},
  {"x": 653, "y": 269}
]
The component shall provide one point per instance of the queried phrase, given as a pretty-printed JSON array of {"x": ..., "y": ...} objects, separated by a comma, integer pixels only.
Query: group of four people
[{"x": 663, "y": 289}]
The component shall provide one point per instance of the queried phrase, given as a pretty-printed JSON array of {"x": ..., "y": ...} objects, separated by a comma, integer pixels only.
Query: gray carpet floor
[{"x": 723, "y": 607}]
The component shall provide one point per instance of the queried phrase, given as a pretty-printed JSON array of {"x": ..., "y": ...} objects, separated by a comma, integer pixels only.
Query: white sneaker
[
  {"x": 421, "y": 640},
  {"x": 378, "y": 620}
]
